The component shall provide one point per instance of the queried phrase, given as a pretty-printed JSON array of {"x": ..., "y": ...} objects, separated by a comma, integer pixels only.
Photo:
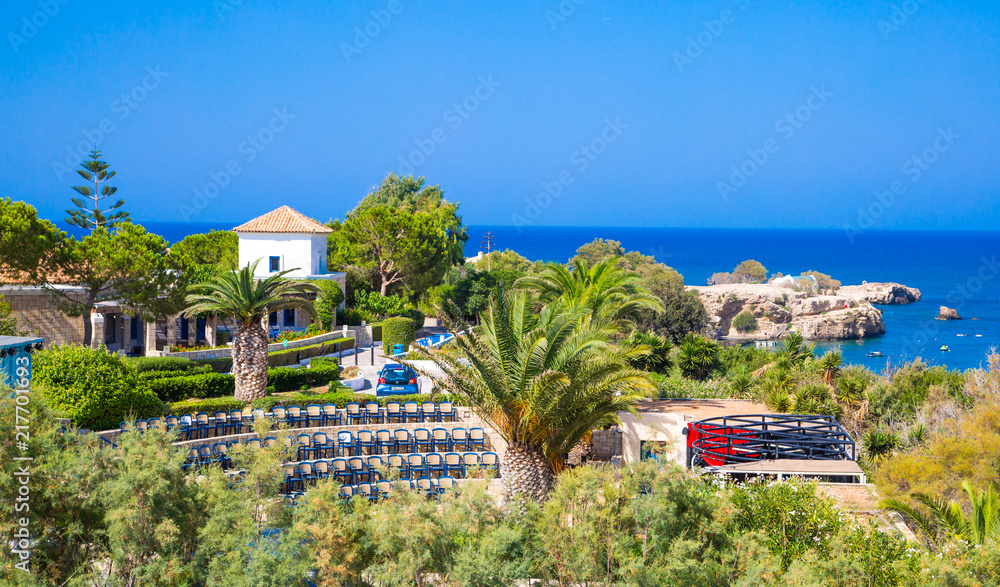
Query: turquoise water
[{"x": 956, "y": 269}]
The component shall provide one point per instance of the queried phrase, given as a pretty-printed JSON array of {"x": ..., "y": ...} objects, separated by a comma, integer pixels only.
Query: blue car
[{"x": 397, "y": 380}]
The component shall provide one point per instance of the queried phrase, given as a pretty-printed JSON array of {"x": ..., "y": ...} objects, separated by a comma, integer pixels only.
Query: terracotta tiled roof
[{"x": 284, "y": 219}]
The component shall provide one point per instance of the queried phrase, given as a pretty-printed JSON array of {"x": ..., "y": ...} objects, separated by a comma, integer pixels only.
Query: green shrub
[
  {"x": 294, "y": 356},
  {"x": 220, "y": 365},
  {"x": 330, "y": 298},
  {"x": 397, "y": 330},
  {"x": 659, "y": 358},
  {"x": 418, "y": 318},
  {"x": 194, "y": 370},
  {"x": 144, "y": 364},
  {"x": 745, "y": 322},
  {"x": 290, "y": 379},
  {"x": 172, "y": 389},
  {"x": 93, "y": 387},
  {"x": 377, "y": 332}
]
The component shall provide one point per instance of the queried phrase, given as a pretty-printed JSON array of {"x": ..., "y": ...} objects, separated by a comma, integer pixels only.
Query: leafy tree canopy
[
  {"x": 125, "y": 264},
  {"x": 27, "y": 243},
  {"x": 203, "y": 256},
  {"x": 750, "y": 271},
  {"x": 410, "y": 250},
  {"x": 507, "y": 260}
]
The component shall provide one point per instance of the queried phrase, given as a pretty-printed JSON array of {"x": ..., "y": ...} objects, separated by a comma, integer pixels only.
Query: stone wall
[
  {"x": 37, "y": 313},
  {"x": 606, "y": 444}
]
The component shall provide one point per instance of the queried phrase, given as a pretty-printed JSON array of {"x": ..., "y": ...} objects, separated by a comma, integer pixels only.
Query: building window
[
  {"x": 272, "y": 319},
  {"x": 184, "y": 328},
  {"x": 275, "y": 264},
  {"x": 200, "y": 328},
  {"x": 290, "y": 317}
]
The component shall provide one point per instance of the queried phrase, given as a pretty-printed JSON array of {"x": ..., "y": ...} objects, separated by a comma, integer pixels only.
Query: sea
[{"x": 958, "y": 269}]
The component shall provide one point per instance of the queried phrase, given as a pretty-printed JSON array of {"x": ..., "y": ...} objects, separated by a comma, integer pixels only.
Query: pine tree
[{"x": 96, "y": 171}]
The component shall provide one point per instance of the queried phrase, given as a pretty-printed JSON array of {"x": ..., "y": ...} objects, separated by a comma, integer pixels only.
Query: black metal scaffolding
[{"x": 729, "y": 440}]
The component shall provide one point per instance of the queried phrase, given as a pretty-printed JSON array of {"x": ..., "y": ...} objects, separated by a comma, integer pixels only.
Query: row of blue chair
[
  {"x": 221, "y": 423},
  {"x": 373, "y": 469},
  {"x": 349, "y": 444},
  {"x": 380, "y": 490}
]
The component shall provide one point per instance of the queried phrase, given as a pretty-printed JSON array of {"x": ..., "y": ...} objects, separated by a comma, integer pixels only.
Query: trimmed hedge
[
  {"x": 194, "y": 370},
  {"x": 377, "y": 332},
  {"x": 418, "y": 318},
  {"x": 341, "y": 397},
  {"x": 285, "y": 358},
  {"x": 209, "y": 385},
  {"x": 145, "y": 364},
  {"x": 289, "y": 379},
  {"x": 172, "y": 389},
  {"x": 398, "y": 330}
]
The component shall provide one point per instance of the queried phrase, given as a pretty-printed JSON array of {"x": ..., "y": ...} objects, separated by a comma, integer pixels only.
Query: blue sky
[{"x": 582, "y": 112}]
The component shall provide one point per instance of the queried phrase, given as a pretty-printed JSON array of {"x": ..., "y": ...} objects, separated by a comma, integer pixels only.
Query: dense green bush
[
  {"x": 194, "y": 370},
  {"x": 93, "y": 387},
  {"x": 330, "y": 298},
  {"x": 418, "y": 318},
  {"x": 745, "y": 322},
  {"x": 144, "y": 364},
  {"x": 377, "y": 332},
  {"x": 294, "y": 356},
  {"x": 397, "y": 330},
  {"x": 291, "y": 379},
  {"x": 220, "y": 365},
  {"x": 658, "y": 360},
  {"x": 172, "y": 389}
]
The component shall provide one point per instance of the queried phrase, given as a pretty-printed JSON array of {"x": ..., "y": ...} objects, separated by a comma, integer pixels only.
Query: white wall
[{"x": 304, "y": 251}]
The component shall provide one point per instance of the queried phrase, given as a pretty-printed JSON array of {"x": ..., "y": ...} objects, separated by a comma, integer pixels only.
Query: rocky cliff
[
  {"x": 779, "y": 309},
  {"x": 882, "y": 293}
]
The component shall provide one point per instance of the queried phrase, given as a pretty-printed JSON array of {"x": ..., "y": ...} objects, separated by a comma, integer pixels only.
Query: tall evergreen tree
[{"x": 88, "y": 213}]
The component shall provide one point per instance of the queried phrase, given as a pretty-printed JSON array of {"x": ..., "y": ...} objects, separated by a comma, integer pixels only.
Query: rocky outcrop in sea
[{"x": 848, "y": 314}]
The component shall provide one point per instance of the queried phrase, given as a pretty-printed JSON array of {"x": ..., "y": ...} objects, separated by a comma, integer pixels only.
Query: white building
[{"x": 285, "y": 239}]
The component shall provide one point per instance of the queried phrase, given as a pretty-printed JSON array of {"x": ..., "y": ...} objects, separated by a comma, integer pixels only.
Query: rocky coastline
[{"x": 847, "y": 314}]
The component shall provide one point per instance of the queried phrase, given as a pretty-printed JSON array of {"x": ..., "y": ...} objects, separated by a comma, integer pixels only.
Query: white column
[
  {"x": 97, "y": 329},
  {"x": 150, "y": 328},
  {"x": 211, "y": 330}
]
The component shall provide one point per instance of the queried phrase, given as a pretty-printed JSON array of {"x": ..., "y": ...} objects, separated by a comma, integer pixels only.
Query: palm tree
[
  {"x": 246, "y": 300},
  {"x": 543, "y": 380},
  {"x": 939, "y": 519},
  {"x": 830, "y": 364},
  {"x": 795, "y": 348},
  {"x": 698, "y": 356},
  {"x": 611, "y": 295}
]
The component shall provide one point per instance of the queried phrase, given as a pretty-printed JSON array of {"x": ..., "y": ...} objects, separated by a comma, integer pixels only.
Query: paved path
[{"x": 370, "y": 363}]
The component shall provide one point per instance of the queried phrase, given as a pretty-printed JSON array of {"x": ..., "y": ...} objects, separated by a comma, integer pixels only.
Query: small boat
[
  {"x": 945, "y": 348},
  {"x": 960, "y": 335},
  {"x": 875, "y": 354},
  {"x": 979, "y": 336}
]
